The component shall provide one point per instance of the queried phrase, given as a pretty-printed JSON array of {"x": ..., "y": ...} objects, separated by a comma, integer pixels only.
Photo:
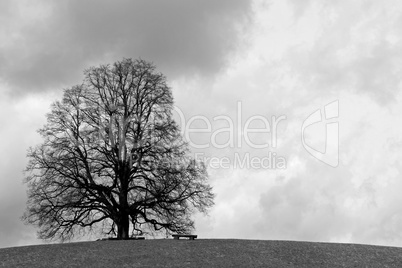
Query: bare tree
[{"x": 113, "y": 158}]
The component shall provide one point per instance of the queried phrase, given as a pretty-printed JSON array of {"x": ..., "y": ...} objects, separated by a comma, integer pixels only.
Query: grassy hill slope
[{"x": 201, "y": 253}]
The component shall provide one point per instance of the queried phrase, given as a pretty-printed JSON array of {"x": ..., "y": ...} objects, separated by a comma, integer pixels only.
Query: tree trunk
[{"x": 123, "y": 227}]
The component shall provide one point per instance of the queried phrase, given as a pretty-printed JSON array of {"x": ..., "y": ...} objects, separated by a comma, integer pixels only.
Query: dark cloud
[{"x": 53, "y": 46}]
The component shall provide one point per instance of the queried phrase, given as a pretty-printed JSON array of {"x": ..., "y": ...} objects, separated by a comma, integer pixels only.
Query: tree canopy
[{"x": 113, "y": 160}]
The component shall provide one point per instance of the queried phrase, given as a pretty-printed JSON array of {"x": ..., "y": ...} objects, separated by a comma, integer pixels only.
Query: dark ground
[{"x": 201, "y": 253}]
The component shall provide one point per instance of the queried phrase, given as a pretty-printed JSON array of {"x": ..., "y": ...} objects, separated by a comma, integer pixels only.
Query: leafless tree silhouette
[{"x": 112, "y": 159}]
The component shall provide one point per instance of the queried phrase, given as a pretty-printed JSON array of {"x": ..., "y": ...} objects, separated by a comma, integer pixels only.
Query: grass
[{"x": 201, "y": 253}]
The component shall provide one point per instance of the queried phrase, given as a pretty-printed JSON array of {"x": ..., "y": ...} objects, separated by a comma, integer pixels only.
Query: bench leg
[{"x": 176, "y": 238}]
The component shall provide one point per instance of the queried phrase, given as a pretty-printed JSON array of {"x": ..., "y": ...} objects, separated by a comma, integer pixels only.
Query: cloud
[
  {"x": 49, "y": 44},
  {"x": 298, "y": 63},
  {"x": 355, "y": 45},
  {"x": 19, "y": 121},
  {"x": 356, "y": 202}
]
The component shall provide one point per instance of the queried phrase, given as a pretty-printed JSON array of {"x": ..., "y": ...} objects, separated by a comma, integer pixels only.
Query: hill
[{"x": 201, "y": 253}]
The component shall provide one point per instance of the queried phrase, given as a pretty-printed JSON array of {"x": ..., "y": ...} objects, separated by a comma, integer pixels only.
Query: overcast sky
[{"x": 233, "y": 64}]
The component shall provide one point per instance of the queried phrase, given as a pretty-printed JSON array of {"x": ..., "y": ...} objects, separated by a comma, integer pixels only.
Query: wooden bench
[{"x": 189, "y": 236}]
